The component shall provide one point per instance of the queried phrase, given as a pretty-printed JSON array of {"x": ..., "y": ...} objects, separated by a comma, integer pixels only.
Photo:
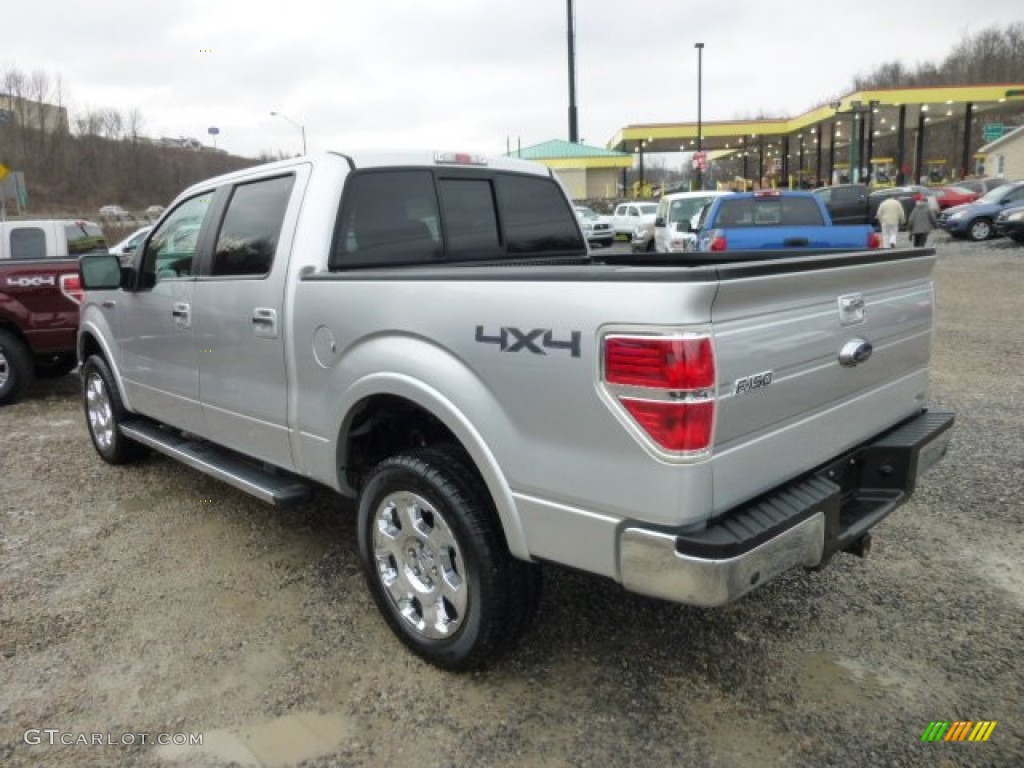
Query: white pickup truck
[{"x": 428, "y": 334}]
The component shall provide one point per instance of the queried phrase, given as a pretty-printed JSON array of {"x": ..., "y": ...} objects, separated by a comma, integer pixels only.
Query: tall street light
[
  {"x": 700, "y": 163},
  {"x": 297, "y": 125}
]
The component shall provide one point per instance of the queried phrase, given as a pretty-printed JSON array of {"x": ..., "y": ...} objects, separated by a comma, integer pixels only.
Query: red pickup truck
[{"x": 40, "y": 291}]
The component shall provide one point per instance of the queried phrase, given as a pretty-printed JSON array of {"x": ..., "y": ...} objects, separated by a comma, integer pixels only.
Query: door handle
[
  {"x": 182, "y": 314},
  {"x": 264, "y": 320}
]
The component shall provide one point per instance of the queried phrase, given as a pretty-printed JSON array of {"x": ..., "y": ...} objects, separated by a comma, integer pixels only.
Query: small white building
[
  {"x": 1004, "y": 157},
  {"x": 587, "y": 172}
]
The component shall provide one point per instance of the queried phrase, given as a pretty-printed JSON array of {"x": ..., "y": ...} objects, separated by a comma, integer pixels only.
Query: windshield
[
  {"x": 649, "y": 208},
  {"x": 995, "y": 195},
  {"x": 586, "y": 213},
  {"x": 686, "y": 209}
]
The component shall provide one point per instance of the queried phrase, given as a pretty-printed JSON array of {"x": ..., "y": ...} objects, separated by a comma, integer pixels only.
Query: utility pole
[
  {"x": 573, "y": 131},
  {"x": 700, "y": 130}
]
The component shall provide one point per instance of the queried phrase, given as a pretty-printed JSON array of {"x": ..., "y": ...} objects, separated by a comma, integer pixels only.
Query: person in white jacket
[{"x": 890, "y": 215}]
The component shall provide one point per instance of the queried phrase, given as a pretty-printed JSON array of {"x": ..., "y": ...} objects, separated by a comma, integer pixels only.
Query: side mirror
[
  {"x": 660, "y": 221},
  {"x": 100, "y": 271},
  {"x": 684, "y": 226}
]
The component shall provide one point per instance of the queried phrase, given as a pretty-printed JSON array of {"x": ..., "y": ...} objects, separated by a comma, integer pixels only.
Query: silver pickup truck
[{"x": 427, "y": 333}]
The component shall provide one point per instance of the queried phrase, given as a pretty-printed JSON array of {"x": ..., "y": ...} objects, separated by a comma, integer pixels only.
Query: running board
[{"x": 279, "y": 489}]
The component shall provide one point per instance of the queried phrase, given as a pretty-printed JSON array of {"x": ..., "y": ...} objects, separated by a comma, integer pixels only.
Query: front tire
[
  {"x": 105, "y": 413},
  {"x": 436, "y": 560},
  {"x": 980, "y": 229},
  {"x": 16, "y": 372}
]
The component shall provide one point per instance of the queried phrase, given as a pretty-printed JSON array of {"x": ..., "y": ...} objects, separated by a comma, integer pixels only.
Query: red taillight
[
  {"x": 874, "y": 240},
  {"x": 674, "y": 426},
  {"x": 718, "y": 242},
  {"x": 71, "y": 286},
  {"x": 918, "y": 196},
  {"x": 664, "y": 363},
  {"x": 677, "y": 410}
]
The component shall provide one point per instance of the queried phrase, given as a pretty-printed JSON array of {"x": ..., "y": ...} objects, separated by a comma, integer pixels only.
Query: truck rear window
[
  {"x": 28, "y": 243},
  {"x": 769, "y": 212},
  {"x": 84, "y": 238},
  {"x": 421, "y": 216}
]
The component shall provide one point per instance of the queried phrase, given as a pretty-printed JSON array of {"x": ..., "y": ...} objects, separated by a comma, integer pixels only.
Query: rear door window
[
  {"x": 27, "y": 243},
  {"x": 249, "y": 234}
]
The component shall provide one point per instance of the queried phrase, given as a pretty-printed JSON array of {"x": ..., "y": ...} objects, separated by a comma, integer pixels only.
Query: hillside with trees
[{"x": 81, "y": 161}]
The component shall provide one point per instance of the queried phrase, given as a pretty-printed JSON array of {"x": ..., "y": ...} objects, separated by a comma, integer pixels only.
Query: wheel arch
[
  {"x": 389, "y": 412},
  {"x": 91, "y": 340}
]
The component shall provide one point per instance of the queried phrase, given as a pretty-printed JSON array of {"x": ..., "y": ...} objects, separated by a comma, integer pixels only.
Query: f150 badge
[
  {"x": 750, "y": 383},
  {"x": 537, "y": 341}
]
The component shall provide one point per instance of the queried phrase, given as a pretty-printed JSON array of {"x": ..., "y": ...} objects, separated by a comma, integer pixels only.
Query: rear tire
[
  {"x": 16, "y": 372},
  {"x": 105, "y": 413},
  {"x": 980, "y": 229},
  {"x": 437, "y": 563}
]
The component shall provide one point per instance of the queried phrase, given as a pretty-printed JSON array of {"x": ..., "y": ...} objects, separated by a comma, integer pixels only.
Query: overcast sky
[{"x": 463, "y": 74}]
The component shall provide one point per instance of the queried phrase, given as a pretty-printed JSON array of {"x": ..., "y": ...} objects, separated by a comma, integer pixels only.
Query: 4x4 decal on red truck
[
  {"x": 515, "y": 340},
  {"x": 31, "y": 281}
]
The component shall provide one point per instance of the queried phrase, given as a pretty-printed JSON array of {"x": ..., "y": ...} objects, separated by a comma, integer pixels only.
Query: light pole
[
  {"x": 297, "y": 125},
  {"x": 700, "y": 144}
]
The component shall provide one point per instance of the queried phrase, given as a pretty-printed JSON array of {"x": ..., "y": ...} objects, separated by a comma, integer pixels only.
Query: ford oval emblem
[{"x": 855, "y": 352}]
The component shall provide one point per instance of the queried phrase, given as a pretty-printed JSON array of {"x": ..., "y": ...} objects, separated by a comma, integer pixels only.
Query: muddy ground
[{"x": 153, "y": 600}]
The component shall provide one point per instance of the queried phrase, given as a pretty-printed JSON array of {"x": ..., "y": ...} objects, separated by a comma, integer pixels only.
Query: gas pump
[{"x": 883, "y": 172}]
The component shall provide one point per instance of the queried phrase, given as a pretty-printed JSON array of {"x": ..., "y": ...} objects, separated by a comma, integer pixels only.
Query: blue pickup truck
[{"x": 775, "y": 220}]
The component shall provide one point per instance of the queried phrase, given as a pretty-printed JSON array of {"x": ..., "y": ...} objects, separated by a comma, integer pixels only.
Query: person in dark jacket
[{"x": 922, "y": 221}]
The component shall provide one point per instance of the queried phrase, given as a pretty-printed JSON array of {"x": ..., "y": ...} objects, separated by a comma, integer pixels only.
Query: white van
[{"x": 676, "y": 218}]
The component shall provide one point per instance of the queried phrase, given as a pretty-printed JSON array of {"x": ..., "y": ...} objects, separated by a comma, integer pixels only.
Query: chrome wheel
[
  {"x": 5, "y": 368},
  {"x": 99, "y": 410},
  {"x": 419, "y": 565}
]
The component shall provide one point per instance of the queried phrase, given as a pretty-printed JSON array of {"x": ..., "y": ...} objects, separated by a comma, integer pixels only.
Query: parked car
[
  {"x": 677, "y": 218},
  {"x": 596, "y": 228},
  {"x": 846, "y": 203},
  {"x": 628, "y": 215},
  {"x": 907, "y": 197},
  {"x": 114, "y": 212},
  {"x": 981, "y": 186},
  {"x": 1010, "y": 223},
  {"x": 975, "y": 220},
  {"x": 40, "y": 291},
  {"x": 126, "y": 248},
  {"x": 955, "y": 195}
]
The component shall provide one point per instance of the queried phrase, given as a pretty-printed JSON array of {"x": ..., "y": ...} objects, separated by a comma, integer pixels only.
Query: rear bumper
[{"x": 800, "y": 524}]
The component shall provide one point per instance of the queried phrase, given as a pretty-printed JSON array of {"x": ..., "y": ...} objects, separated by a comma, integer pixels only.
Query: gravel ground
[{"x": 151, "y": 599}]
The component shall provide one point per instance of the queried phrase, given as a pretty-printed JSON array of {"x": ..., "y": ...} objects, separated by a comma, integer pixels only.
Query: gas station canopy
[{"x": 889, "y": 107}]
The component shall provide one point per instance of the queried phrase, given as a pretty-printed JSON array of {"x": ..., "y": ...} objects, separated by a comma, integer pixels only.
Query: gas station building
[{"x": 881, "y": 136}]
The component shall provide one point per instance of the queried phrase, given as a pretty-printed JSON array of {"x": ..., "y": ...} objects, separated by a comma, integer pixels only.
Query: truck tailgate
[
  {"x": 786, "y": 401},
  {"x": 849, "y": 238}
]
